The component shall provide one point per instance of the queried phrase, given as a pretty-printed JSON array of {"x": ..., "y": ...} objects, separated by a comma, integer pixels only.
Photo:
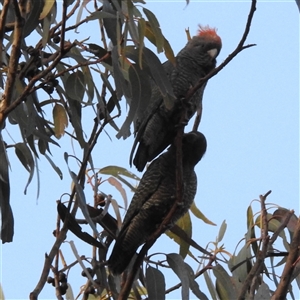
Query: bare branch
[
  {"x": 13, "y": 64},
  {"x": 240, "y": 47}
]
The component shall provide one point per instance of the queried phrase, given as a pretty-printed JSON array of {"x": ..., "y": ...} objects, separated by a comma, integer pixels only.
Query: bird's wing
[
  {"x": 150, "y": 111},
  {"x": 148, "y": 185},
  {"x": 155, "y": 102}
]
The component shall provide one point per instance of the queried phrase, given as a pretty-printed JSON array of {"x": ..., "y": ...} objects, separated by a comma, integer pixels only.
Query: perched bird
[
  {"x": 155, "y": 196},
  {"x": 158, "y": 128}
]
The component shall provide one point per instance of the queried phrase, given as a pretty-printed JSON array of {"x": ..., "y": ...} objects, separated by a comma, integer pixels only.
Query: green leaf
[
  {"x": 32, "y": 18},
  {"x": 31, "y": 143},
  {"x": 158, "y": 73},
  {"x": 241, "y": 272},
  {"x": 156, "y": 285},
  {"x": 120, "y": 82},
  {"x": 111, "y": 23},
  {"x": 222, "y": 231},
  {"x": 69, "y": 292},
  {"x": 75, "y": 86},
  {"x": 25, "y": 156},
  {"x": 141, "y": 92},
  {"x": 75, "y": 116},
  {"x": 81, "y": 197},
  {"x": 197, "y": 213},
  {"x": 46, "y": 30},
  {"x": 224, "y": 285},
  {"x": 159, "y": 38},
  {"x": 43, "y": 146},
  {"x": 48, "y": 4},
  {"x": 142, "y": 30},
  {"x": 114, "y": 182},
  {"x": 194, "y": 286},
  {"x": 1, "y": 293},
  {"x": 263, "y": 292},
  {"x": 55, "y": 168},
  {"x": 117, "y": 172},
  {"x": 169, "y": 52},
  {"x": 273, "y": 225},
  {"x": 210, "y": 286},
  {"x": 100, "y": 15},
  {"x": 177, "y": 264},
  {"x": 185, "y": 224},
  {"x": 131, "y": 24},
  {"x": 60, "y": 120},
  {"x": 281, "y": 213},
  {"x": 251, "y": 232}
]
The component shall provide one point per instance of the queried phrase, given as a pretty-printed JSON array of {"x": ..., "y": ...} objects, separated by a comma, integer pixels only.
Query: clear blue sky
[{"x": 250, "y": 119}]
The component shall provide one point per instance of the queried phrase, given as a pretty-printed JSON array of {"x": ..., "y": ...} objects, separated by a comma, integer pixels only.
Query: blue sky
[{"x": 250, "y": 120}]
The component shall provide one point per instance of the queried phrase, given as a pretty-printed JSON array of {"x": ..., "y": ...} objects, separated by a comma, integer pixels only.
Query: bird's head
[
  {"x": 205, "y": 42},
  {"x": 193, "y": 147}
]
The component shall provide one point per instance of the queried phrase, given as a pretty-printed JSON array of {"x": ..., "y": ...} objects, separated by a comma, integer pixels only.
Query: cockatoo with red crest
[{"x": 160, "y": 123}]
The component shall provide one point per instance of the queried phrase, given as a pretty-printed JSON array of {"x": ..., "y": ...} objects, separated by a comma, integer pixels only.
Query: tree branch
[
  {"x": 62, "y": 234},
  {"x": 261, "y": 255},
  {"x": 240, "y": 47},
  {"x": 13, "y": 64},
  {"x": 3, "y": 15},
  {"x": 289, "y": 267},
  {"x": 178, "y": 140}
]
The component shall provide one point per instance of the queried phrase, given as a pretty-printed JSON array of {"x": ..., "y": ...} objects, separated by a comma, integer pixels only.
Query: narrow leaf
[
  {"x": 75, "y": 86},
  {"x": 114, "y": 182},
  {"x": 210, "y": 286},
  {"x": 159, "y": 38},
  {"x": 197, "y": 213},
  {"x": 26, "y": 158},
  {"x": 55, "y": 167},
  {"x": 156, "y": 285},
  {"x": 185, "y": 224},
  {"x": 176, "y": 262},
  {"x": 263, "y": 292},
  {"x": 81, "y": 197},
  {"x": 32, "y": 19},
  {"x": 60, "y": 120},
  {"x": 222, "y": 231},
  {"x": 194, "y": 286},
  {"x": 48, "y": 4},
  {"x": 223, "y": 284},
  {"x": 142, "y": 30}
]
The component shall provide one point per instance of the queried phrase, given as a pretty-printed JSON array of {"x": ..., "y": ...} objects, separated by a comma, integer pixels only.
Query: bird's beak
[{"x": 213, "y": 52}]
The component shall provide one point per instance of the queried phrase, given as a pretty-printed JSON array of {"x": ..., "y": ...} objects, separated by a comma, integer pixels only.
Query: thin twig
[
  {"x": 63, "y": 25},
  {"x": 28, "y": 88},
  {"x": 261, "y": 254},
  {"x": 204, "y": 269},
  {"x": 283, "y": 224},
  {"x": 240, "y": 47},
  {"x": 62, "y": 234}
]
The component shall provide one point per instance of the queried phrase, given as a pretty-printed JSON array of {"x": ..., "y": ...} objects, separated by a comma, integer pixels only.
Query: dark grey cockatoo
[
  {"x": 155, "y": 196},
  {"x": 158, "y": 128}
]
